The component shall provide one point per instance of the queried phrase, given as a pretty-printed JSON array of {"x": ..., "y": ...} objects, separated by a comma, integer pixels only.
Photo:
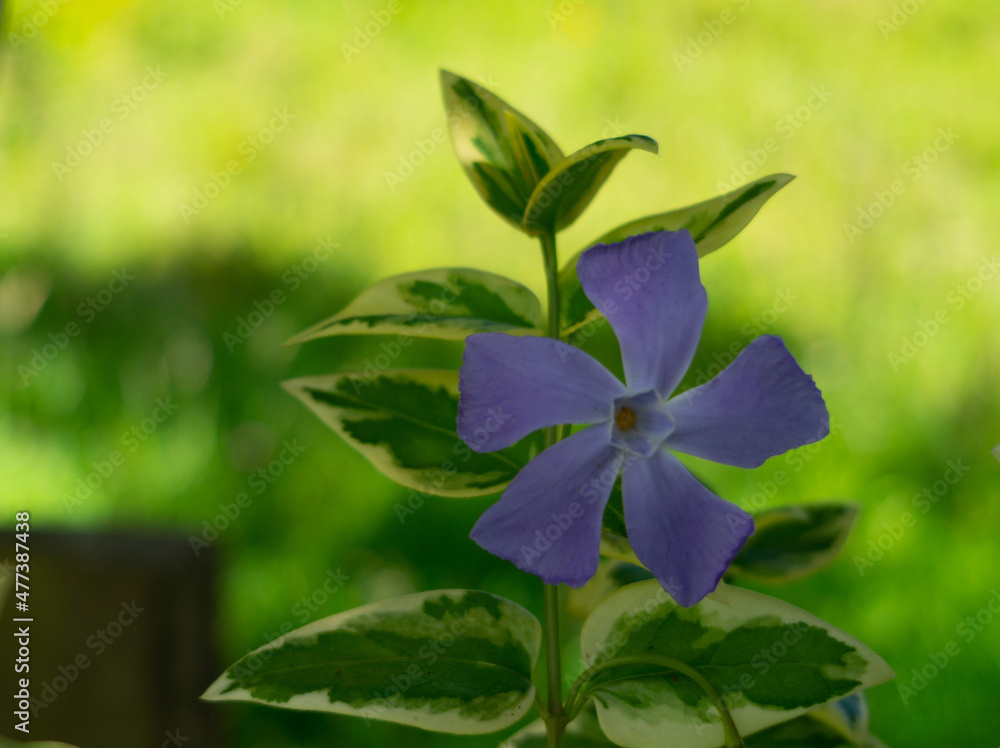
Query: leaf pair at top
[{"x": 517, "y": 168}]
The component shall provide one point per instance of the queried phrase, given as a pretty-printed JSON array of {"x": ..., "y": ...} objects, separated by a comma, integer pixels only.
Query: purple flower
[{"x": 548, "y": 521}]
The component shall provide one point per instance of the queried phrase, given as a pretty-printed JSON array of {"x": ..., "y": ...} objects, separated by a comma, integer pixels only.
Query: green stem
[
  {"x": 555, "y": 720},
  {"x": 733, "y": 739},
  {"x": 555, "y": 714},
  {"x": 552, "y": 278}
]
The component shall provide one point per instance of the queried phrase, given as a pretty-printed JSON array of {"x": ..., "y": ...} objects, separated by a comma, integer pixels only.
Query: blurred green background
[{"x": 116, "y": 116}]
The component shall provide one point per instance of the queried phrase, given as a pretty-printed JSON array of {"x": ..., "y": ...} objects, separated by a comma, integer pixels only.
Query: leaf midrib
[
  {"x": 430, "y": 318},
  {"x": 411, "y": 419},
  {"x": 370, "y": 661}
]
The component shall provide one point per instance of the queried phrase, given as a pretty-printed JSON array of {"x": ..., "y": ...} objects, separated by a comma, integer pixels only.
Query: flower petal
[
  {"x": 649, "y": 288},
  {"x": 548, "y": 521},
  {"x": 761, "y": 405},
  {"x": 681, "y": 531},
  {"x": 511, "y": 386}
]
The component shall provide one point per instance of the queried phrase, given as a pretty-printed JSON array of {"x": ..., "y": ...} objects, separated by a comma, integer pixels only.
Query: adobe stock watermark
[
  {"x": 786, "y": 126},
  {"x": 956, "y": 299},
  {"x": 173, "y": 738},
  {"x": 251, "y": 662},
  {"x": 130, "y": 442},
  {"x": 364, "y": 34},
  {"x": 399, "y": 683},
  {"x": 924, "y": 501},
  {"x": 259, "y": 481},
  {"x": 591, "y": 493},
  {"x": 408, "y": 164},
  {"x": 562, "y": 12},
  {"x": 624, "y": 289},
  {"x": 637, "y": 617},
  {"x": 93, "y": 137},
  {"x": 432, "y": 479},
  {"x": 555, "y": 188},
  {"x": 6, "y": 570},
  {"x": 96, "y": 645},
  {"x": 914, "y": 168},
  {"x": 900, "y": 16},
  {"x": 416, "y": 322},
  {"x": 772, "y": 652},
  {"x": 248, "y": 149},
  {"x": 967, "y": 630},
  {"x": 713, "y": 29},
  {"x": 87, "y": 310},
  {"x": 224, "y": 7},
  {"x": 263, "y": 309},
  {"x": 731, "y": 694},
  {"x": 795, "y": 461},
  {"x": 753, "y": 328},
  {"x": 34, "y": 23}
]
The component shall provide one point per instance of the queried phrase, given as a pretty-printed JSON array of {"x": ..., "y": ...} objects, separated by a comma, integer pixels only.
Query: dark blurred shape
[{"x": 121, "y": 642}]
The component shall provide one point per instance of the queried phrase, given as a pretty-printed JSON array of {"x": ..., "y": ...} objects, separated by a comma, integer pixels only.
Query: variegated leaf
[
  {"x": 530, "y": 151},
  {"x": 405, "y": 424},
  {"x": 455, "y": 661},
  {"x": 839, "y": 724},
  {"x": 445, "y": 303},
  {"x": 8, "y": 743},
  {"x": 791, "y": 542},
  {"x": 769, "y": 660},
  {"x": 834, "y": 725},
  {"x": 712, "y": 223},
  {"x": 563, "y": 194},
  {"x": 501, "y": 162}
]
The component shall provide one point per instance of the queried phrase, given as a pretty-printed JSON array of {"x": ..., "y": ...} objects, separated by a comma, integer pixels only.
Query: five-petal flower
[{"x": 548, "y": 521}]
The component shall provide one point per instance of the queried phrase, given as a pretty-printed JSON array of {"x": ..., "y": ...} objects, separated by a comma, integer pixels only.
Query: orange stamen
[{"x": 625, "y": 418}]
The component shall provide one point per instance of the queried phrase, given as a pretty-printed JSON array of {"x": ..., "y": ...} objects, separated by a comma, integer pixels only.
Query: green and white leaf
[
  {"x": 445, "y": 303},
  {"x": 791, "y": 542},
  {"x": 825, "y": 727},
  {"x": 563, "y": 194},
  {"x": 502, "y": 160},
  {"x": 848, "y": 716},
  {"x": 405, "y": 424},
  {"x": 583, "y": 732},
  {"x": 712, "y": 224},
  {"x": 770, "y": 660},
  {"x": 839, "y": 724},
  {"x": 531, "y": 153},
  {"x": 8, "y": 743},
  {"x": 455, "y": 661}
]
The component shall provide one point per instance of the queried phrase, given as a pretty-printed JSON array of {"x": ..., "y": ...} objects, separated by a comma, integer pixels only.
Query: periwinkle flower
[{"x": 548, "y": 520}]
